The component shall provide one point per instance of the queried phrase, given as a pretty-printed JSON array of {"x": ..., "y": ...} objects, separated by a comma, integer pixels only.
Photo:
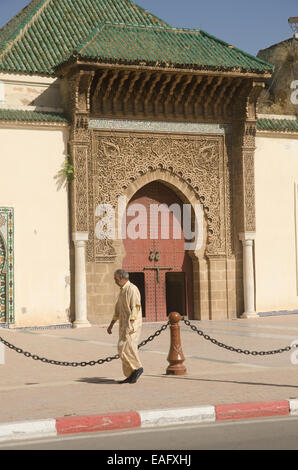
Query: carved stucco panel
[
  {"x": 119, "y": 159},
  {"x": 249, "y": 191},
  {"x": 80, "y": 192},
  {"x": 228, "y": 174}
]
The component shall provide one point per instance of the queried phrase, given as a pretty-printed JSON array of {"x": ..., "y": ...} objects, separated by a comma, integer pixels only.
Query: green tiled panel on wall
[{"x": 7, "y": 314}]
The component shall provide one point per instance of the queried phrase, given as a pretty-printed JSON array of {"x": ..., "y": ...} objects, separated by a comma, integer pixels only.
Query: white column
[
  {"x": 81, "y": 321},
  {"x": 247, "y": 239}
]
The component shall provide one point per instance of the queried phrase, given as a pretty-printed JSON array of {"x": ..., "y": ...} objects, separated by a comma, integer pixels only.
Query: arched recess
[
  {"x": 183, "y": 190},
  {"x": 200, "y": 287}
]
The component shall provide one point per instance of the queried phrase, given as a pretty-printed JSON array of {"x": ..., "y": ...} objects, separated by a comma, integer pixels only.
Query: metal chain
[
  {"x": 152, "y": 337},
  {"x": 237, "y": 350},
  {"x": 35, "y": 357}
]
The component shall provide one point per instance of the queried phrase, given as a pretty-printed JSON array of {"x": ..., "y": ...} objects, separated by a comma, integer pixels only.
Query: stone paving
[{"x": 33, "y": 390}]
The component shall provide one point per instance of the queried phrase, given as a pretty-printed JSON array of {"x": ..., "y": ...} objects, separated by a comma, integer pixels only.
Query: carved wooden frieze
[{"x": 161, "y": 94}]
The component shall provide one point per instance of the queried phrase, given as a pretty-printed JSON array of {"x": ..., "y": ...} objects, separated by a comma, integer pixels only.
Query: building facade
[{"x": 124, "y": 107}]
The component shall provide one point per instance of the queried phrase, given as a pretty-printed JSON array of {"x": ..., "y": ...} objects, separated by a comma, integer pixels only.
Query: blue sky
[{"x": 250, "y": 25}]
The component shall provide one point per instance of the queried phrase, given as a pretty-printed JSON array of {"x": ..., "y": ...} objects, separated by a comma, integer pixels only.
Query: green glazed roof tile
[
  {"x": 277, "y": 125},
  {"x": 44, "y": 33},
  {"x": 114, "y": 42},
  {"x": 12, "y": 115},
  {"x": 9, "y": 32},
  {"x": 47, "y": 32}
]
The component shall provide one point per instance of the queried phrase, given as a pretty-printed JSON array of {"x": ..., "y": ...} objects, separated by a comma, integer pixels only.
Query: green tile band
[
  {"x": 11, "y": 115},
  {"x": 275, "y": 125}
]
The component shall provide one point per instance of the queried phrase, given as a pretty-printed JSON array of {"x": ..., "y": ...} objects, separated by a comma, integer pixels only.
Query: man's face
[{"x": 118, "y": 281}]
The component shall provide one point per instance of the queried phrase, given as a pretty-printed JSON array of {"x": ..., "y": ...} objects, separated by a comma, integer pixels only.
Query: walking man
[{"x": 128, "y": 311}]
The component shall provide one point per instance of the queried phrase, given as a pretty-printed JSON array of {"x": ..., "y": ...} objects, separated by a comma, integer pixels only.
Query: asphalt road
[{"x": 259, "y": 434}]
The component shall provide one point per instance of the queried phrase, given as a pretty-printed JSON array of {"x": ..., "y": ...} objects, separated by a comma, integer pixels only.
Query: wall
[
  {"x": 29, "y": 162},
  {"x": 276, "y": 171},
  {"x": 276, "y": 97},
  {"x": 23, "y": 92}
]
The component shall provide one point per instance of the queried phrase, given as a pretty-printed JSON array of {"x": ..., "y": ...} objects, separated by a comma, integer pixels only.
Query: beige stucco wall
[
  {"x": 29, "y": 161},
  {"x": 276, "y": 171},
  {"x": 29, "y": 91}
]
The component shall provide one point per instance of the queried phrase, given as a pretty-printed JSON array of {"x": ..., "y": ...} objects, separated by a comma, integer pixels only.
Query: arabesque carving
[
  {"x": 79, "y": 194},
  {"x": 119, "y": 159}
]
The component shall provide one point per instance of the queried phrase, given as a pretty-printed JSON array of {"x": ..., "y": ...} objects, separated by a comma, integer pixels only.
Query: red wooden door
[{"x": 157, "y": 252}]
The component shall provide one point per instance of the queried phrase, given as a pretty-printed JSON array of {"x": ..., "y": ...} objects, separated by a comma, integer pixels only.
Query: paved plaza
[{"x": 33, "y": 390}]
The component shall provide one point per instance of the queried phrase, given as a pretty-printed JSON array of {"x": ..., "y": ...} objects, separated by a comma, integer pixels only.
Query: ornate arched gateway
[{"x": 191, "y": 127}]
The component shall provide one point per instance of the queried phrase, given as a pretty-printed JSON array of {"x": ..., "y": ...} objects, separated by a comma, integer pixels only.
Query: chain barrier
[
  {"x": 35, "y": 357},
  {"x": 237, "y": 350}
]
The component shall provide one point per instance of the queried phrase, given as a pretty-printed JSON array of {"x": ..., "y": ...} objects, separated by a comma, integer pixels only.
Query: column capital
[
  {"x": 80, "y": 237},
  {"x": 245, "y": 236}
]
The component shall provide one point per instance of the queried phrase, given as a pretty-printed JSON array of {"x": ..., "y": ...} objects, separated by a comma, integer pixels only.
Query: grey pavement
[
  {"x": 32, "y": 390},
  {"x": 257, "y": 434}
]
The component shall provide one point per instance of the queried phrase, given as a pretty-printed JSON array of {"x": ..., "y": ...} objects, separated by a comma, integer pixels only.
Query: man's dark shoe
[
  {"x": 127, "y": 380},
  {"x": 135, "y": 375}
]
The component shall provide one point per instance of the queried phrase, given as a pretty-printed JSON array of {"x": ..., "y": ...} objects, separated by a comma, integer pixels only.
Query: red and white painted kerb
[{"x": 145, "y": 419}]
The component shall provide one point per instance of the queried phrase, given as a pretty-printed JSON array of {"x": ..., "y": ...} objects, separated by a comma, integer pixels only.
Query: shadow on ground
[
  {"x": 97, "y": 380},
  {"x": 225, "y": 381}
]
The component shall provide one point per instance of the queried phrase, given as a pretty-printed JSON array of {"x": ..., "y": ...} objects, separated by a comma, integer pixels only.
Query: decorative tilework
[
  {"x": 159, "y": 126},
  {"x": 19, "y": 115},
  {"x": 7, "y": 265},
  {"x": 277, "y": 125}
]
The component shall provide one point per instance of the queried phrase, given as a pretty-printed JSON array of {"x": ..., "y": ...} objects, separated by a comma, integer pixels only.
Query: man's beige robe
[{"x": 128, "y": 307}]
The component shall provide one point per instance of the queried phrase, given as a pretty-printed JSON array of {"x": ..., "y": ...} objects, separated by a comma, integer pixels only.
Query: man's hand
[
  {"x": 132, "y": 325},
  {"x": 110, "y": 327}
]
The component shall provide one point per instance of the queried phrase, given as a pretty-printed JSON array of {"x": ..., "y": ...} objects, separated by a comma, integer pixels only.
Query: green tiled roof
[
  {"x": 164, "y": 46},
  {"x": 12, "y": 115},
  {"x": 11, "y": 29},
  {"x": 277, "y": 125},
  {"x": 47, "y": 32}
]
